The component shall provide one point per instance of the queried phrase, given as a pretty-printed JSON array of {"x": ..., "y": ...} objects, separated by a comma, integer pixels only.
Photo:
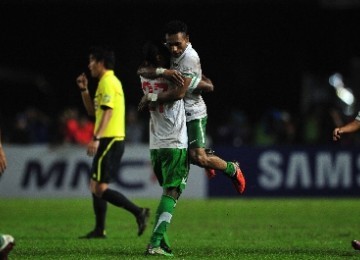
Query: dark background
[{"x": 256, "y": 52}]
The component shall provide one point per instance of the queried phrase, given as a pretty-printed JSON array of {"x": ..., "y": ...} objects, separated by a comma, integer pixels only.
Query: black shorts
[{"x": 107, "y": 160}]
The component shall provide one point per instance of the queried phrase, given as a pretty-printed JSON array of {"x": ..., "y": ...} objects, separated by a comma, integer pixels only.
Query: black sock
[
  {"x": 100, "y": 207},
  {"x": 119, "y": 200}
]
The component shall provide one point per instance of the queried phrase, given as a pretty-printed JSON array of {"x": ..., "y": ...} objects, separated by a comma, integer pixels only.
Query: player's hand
[
  {"x": 144, "y": 102},
  {"x": 92, "y": 148},
  {"x": 206, "y": 79},
  {"x": 3, "y": 161},
  {"x": 174, "y": 76},
  {"x": 82, "y": 81},
  {"x": 337, "y": 134}
]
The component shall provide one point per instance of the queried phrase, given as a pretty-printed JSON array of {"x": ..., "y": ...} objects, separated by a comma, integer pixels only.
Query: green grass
[{"x": 200, "y": 229}]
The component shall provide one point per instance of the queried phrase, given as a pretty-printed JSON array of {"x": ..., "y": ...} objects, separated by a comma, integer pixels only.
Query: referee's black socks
[
  {"x": 100, "y": 207},
  {"x": 119, "y": 200}
]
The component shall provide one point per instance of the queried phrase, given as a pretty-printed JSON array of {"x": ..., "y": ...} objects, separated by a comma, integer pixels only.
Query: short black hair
[
  {"x": 176, "y": 26},
  {"x": 152, "y": 49},
  {"x": 104, "y": 54}
]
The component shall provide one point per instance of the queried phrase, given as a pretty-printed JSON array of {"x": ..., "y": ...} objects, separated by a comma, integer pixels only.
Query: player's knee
[
  {"x": 97, "y": 194},
  {"x": 173, "y": 192},
  {"x": 200, "y": 159},
  {"x": 98, "y": 190}
]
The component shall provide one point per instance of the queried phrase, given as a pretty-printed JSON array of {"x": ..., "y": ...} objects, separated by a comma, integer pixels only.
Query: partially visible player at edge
[
  {"x": 107, "y": 146},
  {"x": 7, "y": 242},
  {"x": 186, "y": 61},
  {"x": 351, "y": 127}
]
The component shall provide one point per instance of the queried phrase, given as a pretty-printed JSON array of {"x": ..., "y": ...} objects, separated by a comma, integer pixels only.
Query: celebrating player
[
  {"x": 186, "y": 70},
  {"x": 7, "y": 242},
  {"x": 351, "y": 127},
  {"x": 168, "y": 145}
]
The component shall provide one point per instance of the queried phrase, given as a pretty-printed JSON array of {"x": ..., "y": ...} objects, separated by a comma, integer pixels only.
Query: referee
[{"x": 107, "y": 145}]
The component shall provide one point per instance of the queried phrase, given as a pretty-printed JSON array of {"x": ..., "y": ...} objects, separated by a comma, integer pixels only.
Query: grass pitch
[{"x": 200, "y": 229}]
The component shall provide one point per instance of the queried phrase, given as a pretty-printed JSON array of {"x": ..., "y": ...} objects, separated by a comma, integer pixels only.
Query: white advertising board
[{"x": 41, "y": 171}]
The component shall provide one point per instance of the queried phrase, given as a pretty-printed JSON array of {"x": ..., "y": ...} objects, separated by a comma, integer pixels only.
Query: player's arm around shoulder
[
  {"x": 172, "y": 93},
  {"x": 205, "y": 85},
  {"x": 175, "y": 92},
  {"x": 148, "y": 72}
]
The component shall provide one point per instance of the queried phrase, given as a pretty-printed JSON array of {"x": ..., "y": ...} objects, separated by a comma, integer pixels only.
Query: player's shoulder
[
  {"x": 191, "y": 57},
  {"x": 192, "y": 53}
]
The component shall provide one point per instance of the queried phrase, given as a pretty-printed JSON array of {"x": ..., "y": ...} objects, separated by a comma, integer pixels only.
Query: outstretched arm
[
  {"x": 3, "y": 162},
  {"x": 348, "y": 128}
]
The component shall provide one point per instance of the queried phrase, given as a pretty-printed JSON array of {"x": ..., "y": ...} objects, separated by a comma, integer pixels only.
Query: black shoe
[
  {"x": 94, "y": 234},
  {"x": 142, "y": 220}
]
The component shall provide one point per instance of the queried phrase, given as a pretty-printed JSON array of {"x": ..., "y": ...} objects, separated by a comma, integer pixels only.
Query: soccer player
[
  {"x": 3, "y": 161},
  {"x": 7, "y": 242},
  {"x": 351, "y": 127},
  {"x": 168, "y": 144},
  {"x": 107, "y": 145},
  {"x": 185, "y": 60}
]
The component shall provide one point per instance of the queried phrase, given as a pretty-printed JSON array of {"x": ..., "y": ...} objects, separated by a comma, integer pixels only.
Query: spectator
[
  {"x": 78, "y": 128},
  {"x": 30, "y": 126},
  {"x": 135, "y": 127}
]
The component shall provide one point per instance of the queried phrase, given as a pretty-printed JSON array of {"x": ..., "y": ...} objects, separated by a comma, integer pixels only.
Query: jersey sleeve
[
  {"x": 190, "y": 66},
  {"x": 194, "y": 83},
  {"x": 108, "y": 95},
  {"x": 192, "y": 69}
]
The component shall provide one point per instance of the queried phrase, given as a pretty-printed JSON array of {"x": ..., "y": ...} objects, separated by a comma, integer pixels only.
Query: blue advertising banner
[{"x": 293, "y": 171}]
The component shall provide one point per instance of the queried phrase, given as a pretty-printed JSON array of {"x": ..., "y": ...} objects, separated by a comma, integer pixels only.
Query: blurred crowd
[
  {"x": 273, "y": 127},
  {"x": 326, "y": 101},
  {"x": 33, "y": 126}
]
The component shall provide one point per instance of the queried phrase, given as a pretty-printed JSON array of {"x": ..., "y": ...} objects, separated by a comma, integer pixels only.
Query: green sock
[
  {"x": 166, "y": 239},
  {"x": 162, "y": 219},
  {"x": 230, "y": 169}
]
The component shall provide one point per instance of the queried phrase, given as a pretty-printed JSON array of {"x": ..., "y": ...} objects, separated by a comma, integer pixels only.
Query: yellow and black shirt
[{"x": 110, "y": 93}]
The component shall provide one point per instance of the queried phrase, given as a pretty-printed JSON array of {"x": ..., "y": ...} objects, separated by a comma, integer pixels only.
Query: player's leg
[
  {"x": 105, "y": 166},
  {"x": 99, "y": 204},
  {"x": 230, "y": 169},
  {"x": 173, "y": 172},
  {"x": 109, "y": 166},
  {"x": 205, "y": 159},
  {"x": 100, "y": 209},
  {"x": 200, "y": 156},
  {"x": 196, "y": 130}
]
